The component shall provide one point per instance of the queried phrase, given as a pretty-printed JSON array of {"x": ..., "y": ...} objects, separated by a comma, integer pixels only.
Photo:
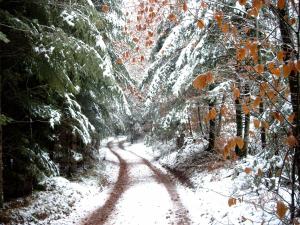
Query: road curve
[{"x": 129, "y": 202}]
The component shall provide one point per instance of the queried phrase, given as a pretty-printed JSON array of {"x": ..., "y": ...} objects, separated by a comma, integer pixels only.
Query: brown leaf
[
  {"x": 212, "y": 113},
  {"x": 241, "y": 54},
  {"x": 247, "y": 170},
  {"x": 236, "y": 93},
  {"x": 245, "y": 109},
  {"x": 242, "y": 2},
  {"x": 281, "y": 209},
  {"x": 225, "y": 27},
  {"x": 265, "y": 125},
  {"x": 239, "y": 142},
  {"x": 256, "y": 123},
  {"x": 256, "y": 102},
  {"x": 219, "y": 18},
  {"x": 172, "y": 17},
  {"x": 280, "y": 56},
  {"x": 281, "y": 4},
  {"x": 232, "y": 201},
  {"x": 286, "y": 70},
  {"x": 105, "y": 8},
  {"x": 276, "y": 71},
  {"x": 200, "y": 82},
  {"x": 291, "y": 141},
  {"x": 119, "y": 61},
  {"x": 257, "y": 4},
  {"x": 278, "y": 116},
  {"x": 259, "y": 68},
  {"x": 291, "y": 117},
  {"x": 200, "y": 24},
  {"x": 184, "y": 7},
  {"x": 223, "y": 110},
  {"x": 292, "y": 21}
]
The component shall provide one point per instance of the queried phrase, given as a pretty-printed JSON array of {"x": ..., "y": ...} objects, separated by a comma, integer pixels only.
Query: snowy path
[{"x": 143, "y": 193}]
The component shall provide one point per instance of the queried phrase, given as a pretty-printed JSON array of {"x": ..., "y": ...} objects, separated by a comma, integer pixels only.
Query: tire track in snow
[
  {"x": 101, "y": 215},
  {"x": 180, "y": 211},
  {"x": 124, "y": 182}
]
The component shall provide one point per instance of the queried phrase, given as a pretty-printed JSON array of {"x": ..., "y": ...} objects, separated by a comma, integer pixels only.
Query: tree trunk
[
  {"x": 239, "y": 121},
  {"x": 212, "y": 125},
  {"x": 1, "y": 149},
  {"x": 199, "y": 120},
  {"x": 244, "y": 151},
  {"x": 220, "y": 116},
  {"x": 263, "y": 137},
  {"x": 294, "y": 82}
]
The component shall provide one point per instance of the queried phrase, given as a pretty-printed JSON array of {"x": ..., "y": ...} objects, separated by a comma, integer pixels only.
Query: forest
[{"x": 149, "y": 112}]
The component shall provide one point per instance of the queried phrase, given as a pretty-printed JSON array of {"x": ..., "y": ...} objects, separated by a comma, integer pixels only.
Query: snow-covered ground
[{"x": 147, "y": 194}]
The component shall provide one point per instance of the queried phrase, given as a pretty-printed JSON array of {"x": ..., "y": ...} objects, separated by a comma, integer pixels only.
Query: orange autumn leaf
[
  {"x": 223, "y": 110},
  {"x": 231, "y": 143},
  {"x": 291, "y": 141},
  {"x": 259, "y": 68},
  {"x": 280, "y": 4},
  {"x": 286, "y": 70},
  {"x": 292, "y": 21},
  {"x": 219, "y": 18},
  {"x": 236, "y": 93},
  {"x": 257, "y": 4},
  {"x": 200, "y": 24},
  {"x": 239, "y": 142},
  {"x": 119, "y": 61},
  {"x": 256, "y": 123},
  {"x": 232, "y": 201},
  {"x": 271, "y": 66},
  {"x": 200, "y": 82},
  {"x": 276, "y": 71},
  {"x": 241, "y": 54},
  {"x": 265, "y": 125},
  {"x": 225, "y": 27},
  {"x": 242, "y": 2},
  {"x": 291, "y": 117},
  {"x": 245, "y": 109},
  {"x": 253, "y": 12},
  {"x": 105, "y": 8},
  {"x": 281, "y": 209},
  {"x": 226, "y": 151},
  {"x": 280, "y": 56},
  {"x": 150, "y": 33},
  {"x": 256, "y": 102},
  {"x": 247, "y": 170},
  {"x": 278, "y": 116},
  {"x": 253, "y": 51},
  {"x": 271, "y": 94},
  {"x": 172, "y": 17},
  {"x": 135, "y": 39},
  {"x": 184, "y": 7},
  {"x": 212, "y": 114}
]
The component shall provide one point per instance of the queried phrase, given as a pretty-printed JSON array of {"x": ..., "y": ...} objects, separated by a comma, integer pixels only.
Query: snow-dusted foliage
[{"x": 67, "y": 90}]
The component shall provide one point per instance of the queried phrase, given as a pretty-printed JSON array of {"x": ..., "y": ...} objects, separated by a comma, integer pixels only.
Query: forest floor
[{"x": 140, "y": 191}]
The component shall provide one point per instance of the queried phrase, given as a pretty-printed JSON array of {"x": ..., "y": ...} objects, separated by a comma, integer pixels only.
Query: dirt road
[{"x": 143, "y": 194}]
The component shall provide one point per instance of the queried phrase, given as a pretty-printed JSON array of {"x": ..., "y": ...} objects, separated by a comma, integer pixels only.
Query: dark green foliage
[{"x": 58, "y": 84}]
